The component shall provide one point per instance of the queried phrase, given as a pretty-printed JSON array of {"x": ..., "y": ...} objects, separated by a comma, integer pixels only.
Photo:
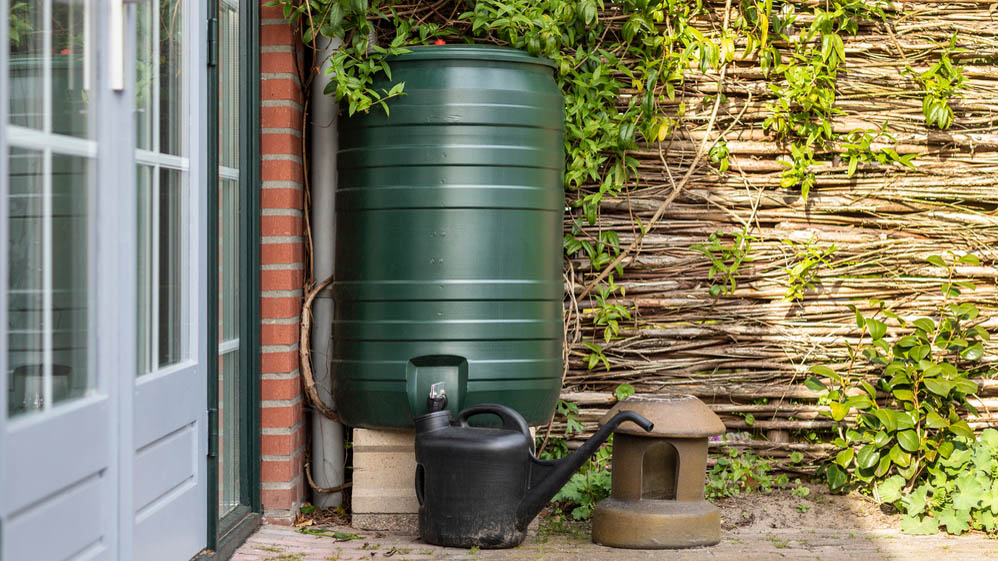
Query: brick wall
[{"x": 282, "y": 263}]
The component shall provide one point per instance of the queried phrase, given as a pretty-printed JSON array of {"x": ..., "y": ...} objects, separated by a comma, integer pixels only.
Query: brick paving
[{"x": 281, "y": 543}]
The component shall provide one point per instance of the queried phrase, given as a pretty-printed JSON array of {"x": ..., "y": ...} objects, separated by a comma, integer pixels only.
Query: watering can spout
[{"x": 548, "y": 477}]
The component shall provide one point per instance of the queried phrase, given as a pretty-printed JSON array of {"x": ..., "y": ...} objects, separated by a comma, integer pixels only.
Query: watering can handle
[{"x": 511, "y": 420}]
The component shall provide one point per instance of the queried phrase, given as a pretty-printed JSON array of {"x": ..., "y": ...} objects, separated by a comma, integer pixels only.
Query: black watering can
[{"x": 481, "y": 487}]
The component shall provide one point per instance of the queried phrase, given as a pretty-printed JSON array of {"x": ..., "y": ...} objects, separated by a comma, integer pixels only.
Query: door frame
[{"x": 226, "y": 535}]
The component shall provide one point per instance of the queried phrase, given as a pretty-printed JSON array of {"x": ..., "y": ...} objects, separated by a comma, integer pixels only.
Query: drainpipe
[{"x": 328, "y": 452}]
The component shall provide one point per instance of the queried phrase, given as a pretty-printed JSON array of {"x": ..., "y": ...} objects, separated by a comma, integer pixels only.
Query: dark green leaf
[
  {"x": 836, "y": 477},
  {"x": 868, "y": 456},
  {"x": 908, "y": 440}
]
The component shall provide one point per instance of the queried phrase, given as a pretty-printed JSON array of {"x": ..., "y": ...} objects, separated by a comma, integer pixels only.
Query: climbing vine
[{"x": 622, "y": 66}]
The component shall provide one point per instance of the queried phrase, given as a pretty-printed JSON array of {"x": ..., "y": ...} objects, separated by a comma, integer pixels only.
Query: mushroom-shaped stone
[{"x": 675, "y": 416}]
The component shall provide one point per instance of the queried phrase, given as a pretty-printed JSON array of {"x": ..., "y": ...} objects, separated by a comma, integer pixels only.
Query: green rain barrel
[{"x": 448, "y": 239}]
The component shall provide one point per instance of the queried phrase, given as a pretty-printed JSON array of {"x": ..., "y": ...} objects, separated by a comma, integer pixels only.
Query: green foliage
[
  {"x": 588, "y": 486},
  {"x": 804, "y": 84},
  {"x": 591, "y": 483},
  {"x": 623, "y": 392},
  {"x": 18, "y": 23},
  {"x": 570, "y": 412},
  {"x": 803, "y": 271},
  {"x": 908, "y": 417},
  {"x": 940, "y": 83},
  {"x": 960, "y": 492},
  {"x": 741, "y": 472},
  {"x": 608, "y": 314},
  {"x": 644, "y": 49},
  {"x": 725, "y": 259},
  {"x": 858, "y": 145}
]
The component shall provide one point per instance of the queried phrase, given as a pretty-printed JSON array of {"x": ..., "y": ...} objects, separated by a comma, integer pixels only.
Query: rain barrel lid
[{"x": 472, "y": 52}]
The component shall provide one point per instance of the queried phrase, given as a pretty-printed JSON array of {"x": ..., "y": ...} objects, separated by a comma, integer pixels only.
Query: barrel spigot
[{"x": 437, "y": 400}]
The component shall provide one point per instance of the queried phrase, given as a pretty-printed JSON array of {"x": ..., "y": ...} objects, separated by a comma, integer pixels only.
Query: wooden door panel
[
  {"x": 77, "y": 445},
  {"x": 69, "y": 524}
]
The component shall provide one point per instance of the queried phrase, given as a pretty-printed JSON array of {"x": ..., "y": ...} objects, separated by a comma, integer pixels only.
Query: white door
[
  {"x": 58, "y": 442},
  {"x": 103, "y": 428},
  {"x": 169, "y": 412}
]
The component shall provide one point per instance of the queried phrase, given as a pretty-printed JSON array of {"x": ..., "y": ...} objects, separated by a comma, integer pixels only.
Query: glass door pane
[
  {"x": 163, "y": 164},
  {"x": 229, "y": 248},
  {"x": 50, "y": 176}
]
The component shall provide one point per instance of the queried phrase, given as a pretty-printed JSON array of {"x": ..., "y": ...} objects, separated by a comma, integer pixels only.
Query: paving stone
[{"x": 281, "y": 543}]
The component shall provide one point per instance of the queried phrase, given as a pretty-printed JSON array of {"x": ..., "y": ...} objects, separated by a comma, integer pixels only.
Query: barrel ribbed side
[{"x": 448, "y": 249}]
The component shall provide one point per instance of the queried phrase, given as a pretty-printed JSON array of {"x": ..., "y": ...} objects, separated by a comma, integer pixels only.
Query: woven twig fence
[{"x": 747, "y": 352}]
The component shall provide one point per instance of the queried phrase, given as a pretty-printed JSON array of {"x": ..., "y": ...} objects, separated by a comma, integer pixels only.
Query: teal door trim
[{"x": 227, "y": 533}]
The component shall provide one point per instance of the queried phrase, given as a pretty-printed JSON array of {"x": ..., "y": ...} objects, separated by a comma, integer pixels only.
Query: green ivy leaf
[
  {"x": 814, "y": 384},
  {"x": 844, "y": 457},
  {"x": 887, "y": 419},
  {"x": 883, "y": 466},
  {"x": 938, "y": 386},
  {"x": 908, "y": 440},
  {"x": 946, "y": 448},
  {"x": 925, "y": 324},
  {"x": 936, "y": 260},
  {"x": 973, "y": 352},
  {"x": 961, "y": 428},
  {"x": 839, "y": 410},
  {"x": 867, "y": 457},
  {"x": 877, "y": 328},
  {"x": 836, "y": 477},
  {"x": 825, "y": 372},
  {"x": 934, "y": 421}
]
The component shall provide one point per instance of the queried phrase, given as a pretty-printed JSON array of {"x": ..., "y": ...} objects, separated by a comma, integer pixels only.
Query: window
[
  {"x": 51, "y": 154},
  {"x": 163, "y": 165}
]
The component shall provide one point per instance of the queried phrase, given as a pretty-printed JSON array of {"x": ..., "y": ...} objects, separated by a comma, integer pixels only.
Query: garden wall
[{"x": 747, "y": 352}]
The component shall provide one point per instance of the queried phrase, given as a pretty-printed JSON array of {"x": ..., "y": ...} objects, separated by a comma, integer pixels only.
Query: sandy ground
[{"x": 755, "y": 527}]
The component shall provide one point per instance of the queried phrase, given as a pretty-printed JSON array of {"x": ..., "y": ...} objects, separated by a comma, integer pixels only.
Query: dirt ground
[
  {"x": 755, "y": 527},
  {"x": 781, "y": 510}
]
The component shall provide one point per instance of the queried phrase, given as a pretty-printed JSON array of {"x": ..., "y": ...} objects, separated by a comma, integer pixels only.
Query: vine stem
[
  {"x": 305, "y": 351},
  {"x": 323, "y": 490},
  {"x": 701, "y": 151}
]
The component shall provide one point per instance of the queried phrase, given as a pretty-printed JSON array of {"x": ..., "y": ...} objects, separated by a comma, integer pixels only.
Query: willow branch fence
[{"x": 748, "y": 352}]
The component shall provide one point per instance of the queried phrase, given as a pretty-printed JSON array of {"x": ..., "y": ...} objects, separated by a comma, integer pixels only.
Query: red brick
[
  {"x": 281, "y": 416},
  {"x": 277, "y": 34},
  {"x": 283, "y": 279},
  {"x": 288, "y": 388},
  {"x": 281, "y": 170},
  {"x": 279, "y": 334},
  {"x": 281, "y": 198},
  {"x": 280, "y": 307},
  {"x": 278, "y": 499},
  {"x": 277, "y": 471},
  {"x": 281, "y": 117},
  {"x": 282, "y": 444},
  {"x": 281, "y": 226},
  {"x": 282, "y": 253},
  {"x": 278, "y": 62},
  {"x": 280, "y": 143},
  {"x": 279, "y": 363},
  {"x": 280, "y": 88}
]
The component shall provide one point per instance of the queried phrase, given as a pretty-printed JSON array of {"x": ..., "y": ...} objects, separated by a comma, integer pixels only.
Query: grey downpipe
[{"x": 328, "y": 451}]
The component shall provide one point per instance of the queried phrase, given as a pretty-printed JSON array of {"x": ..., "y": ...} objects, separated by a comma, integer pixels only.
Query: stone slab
[{"x": 384, "y": 465}]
